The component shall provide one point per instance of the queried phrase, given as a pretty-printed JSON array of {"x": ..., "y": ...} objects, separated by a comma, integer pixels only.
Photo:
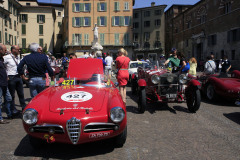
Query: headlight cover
[
  {"x": 182, "y": 79},
  {"x": 117, "y": 114},
  {"x": 155, "y": 79},
  {"x": 170, "y": 78},
  {"x": 30, "y": 116}
]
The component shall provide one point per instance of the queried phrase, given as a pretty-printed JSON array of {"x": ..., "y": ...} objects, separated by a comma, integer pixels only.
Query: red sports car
[
  {"x": 80, "y": 109},
  {"x": 214, "y": 86}
]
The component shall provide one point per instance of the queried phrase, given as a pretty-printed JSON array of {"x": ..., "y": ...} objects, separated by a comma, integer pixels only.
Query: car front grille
[
  {"x": 74, "y": 129},
  {"x": 96, "y": 127},
  {"x": 164, "y": 81}
]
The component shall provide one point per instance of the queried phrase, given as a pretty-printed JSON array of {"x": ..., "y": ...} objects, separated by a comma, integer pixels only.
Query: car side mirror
[{"x": 116, "y": 84}]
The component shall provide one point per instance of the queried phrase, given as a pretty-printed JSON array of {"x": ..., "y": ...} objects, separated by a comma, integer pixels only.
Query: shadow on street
[
  {"x": 64, "y": 151},
  {"x": 235, "y": 117}
]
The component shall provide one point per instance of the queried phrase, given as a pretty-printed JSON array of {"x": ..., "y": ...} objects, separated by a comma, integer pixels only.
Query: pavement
[{"x": 163, "y": 132}]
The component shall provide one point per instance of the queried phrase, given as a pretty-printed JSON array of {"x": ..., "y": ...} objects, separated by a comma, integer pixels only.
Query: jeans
[
  {"x": 16, "y": 83},
  {"x": 36, "y": 85},
  {"x": 3, "y": 93}
]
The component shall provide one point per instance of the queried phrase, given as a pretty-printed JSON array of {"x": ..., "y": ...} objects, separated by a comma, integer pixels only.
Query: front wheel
[
  {"x": 194, "y": 100},
  {"x": 211, "y": 94},
  {"x": 121, "y": 139},
  {"x": 142, "y": 100}
]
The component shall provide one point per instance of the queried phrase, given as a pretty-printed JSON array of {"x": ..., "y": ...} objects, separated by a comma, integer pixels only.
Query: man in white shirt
[
  {"x": 85, "y": 55},
  {"x": 15, "y": 82},
  {"x": 108, "y": 67}
]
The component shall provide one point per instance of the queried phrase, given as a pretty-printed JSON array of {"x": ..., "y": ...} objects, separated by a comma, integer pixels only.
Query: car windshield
[
  {"x": 155, "y": 65},
  {"x": 138, "y": 64},
  {"x": 97, "y": 80}
]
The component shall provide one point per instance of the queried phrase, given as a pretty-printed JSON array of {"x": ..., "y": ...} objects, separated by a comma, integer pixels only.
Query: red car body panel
[{"x": 53, "y": 109}]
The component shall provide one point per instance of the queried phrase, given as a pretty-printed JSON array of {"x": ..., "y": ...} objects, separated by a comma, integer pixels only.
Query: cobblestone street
[{"x": 162, "y": 132}]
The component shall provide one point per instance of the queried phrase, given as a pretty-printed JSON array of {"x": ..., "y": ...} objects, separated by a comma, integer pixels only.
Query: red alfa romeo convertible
[{"x": 80, "y": 109}]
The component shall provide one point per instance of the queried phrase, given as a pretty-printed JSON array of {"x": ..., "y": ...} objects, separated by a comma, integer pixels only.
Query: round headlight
[
  {"x": 117, "y": 114},
  {"x": 30, "y": 116},
  {"x": 170, "y": 78},
  {"x": 155, "y": 79},
  {"x": 182, "y": 79}
]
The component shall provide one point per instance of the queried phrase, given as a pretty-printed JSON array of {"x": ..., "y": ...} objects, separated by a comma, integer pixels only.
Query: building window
[
  {"x": 135, "y": 25},
  {"x": 40, "y": 30},
  {"x": 202, "y": 19},
  {"x": 15, "y": 25},
  {"x": 233, "y": 55},
  {"x": 157, "y": 35},
  {"x": 59, "y": 14},
  {"x": 9, "y": 6},
  {"x": 135, "y": 15},
  {"x": 102, "y": 7},
  {"x": 186, "y": 43},
  {"x": 6, "y": 40},
  {"x": 233, "y": 35},
  {"x": 116, "y": 21},
  {"x": 158, "y": 12},
  {"x": 146, "y": 23},
  {"x": 0, "y": 37},
  {"x": 102, "y": 21},
  {"x": 5, "y": 21},
  {"x": 77, "y": 39},
  {"x": 86, "y": 38},
  {"x": 76, "y": 7},
  {"x": 41, "y": 42},
  {"x": 10, "y": 39},
  {"x": 87, "y": 21},
  {"x": 59, "y": 24},
  {"x": 23, "y": 42},
  {"x": 10, "y": 23},
  {"x": 87, "y": 7},
  {"x": 23, "y": 29},
  {"x": 116, "y": 35},
  {"x": 212, "y": 40},
  {"x": 126, "y": 21},
  {"x": 126, "y": 6},
  {"x": 157, "y": 44},
  {"x": 189, "y": 24},
  {"x": 147, "y": 14},
  {"x": 227, "y": 7},
  {"x": 116, "y": 6},
  {"x": 23, "y": 18},
  {"x": 126, "y": 39},
  {"x": 76, "y": 21},
  {"x": 146, "y": 36},
  {"x": 15, "y": 40},
  {"x": 40, "y": 18},
  {"x": 102, "y": 37},
  {"x": 157, "y": 22},
  {"x": 135, "y": 37}
]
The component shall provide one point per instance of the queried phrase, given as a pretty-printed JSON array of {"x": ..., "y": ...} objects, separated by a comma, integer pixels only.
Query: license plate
[{"x": 171, "y": 95}]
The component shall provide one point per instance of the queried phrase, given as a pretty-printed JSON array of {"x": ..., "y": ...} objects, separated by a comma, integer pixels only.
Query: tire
[
  {"x": 36, "y": 142},
  {"x": 194, "y": 100},
  {"x": 134, "y": 88},
  {"x": 142, "y": 100},
  {"x": 121, "y": 139},
  {"x": 210, "y": 93}
]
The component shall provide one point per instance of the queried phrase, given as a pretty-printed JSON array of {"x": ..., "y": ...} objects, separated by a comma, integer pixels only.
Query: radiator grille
[{"x": 74, "y": 129}]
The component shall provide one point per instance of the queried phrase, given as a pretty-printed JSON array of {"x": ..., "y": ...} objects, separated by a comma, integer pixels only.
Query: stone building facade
[
  {"x": 209, "y": 27},
  {"x": 114, "y": 19},
  {"x": 149, "y": 32}
]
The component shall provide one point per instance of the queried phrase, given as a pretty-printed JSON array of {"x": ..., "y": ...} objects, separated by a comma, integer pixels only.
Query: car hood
[
  {"x": 231, "y": 82},
  {"x": 76, "y": 99},
  {"x": 132, "y": 70}
]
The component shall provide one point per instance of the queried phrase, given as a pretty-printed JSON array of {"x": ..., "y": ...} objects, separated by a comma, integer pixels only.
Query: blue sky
[{"x": 144, "y": 3}]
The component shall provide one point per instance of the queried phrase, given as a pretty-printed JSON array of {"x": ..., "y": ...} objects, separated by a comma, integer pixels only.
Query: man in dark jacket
[
  {"x": 37, "y": 65},
  {"x": 3, "y": 85}
]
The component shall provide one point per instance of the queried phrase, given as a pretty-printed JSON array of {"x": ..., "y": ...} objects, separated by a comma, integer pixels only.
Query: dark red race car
[
  {"x": 155, "y": 83},
  {"x": 214, "y": 86},
  {"x": 80, "y": 109}
]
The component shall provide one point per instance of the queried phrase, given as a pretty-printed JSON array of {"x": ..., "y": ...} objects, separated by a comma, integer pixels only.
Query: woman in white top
[{"x": 210, "y": 66}]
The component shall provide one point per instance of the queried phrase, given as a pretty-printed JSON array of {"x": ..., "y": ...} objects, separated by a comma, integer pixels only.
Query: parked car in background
[
  {"x": 156, "y": 84},
  {"x": 214, "y": 86},
  {"x": 133, "y": 66},
  {"x": 81, "y": 108}
]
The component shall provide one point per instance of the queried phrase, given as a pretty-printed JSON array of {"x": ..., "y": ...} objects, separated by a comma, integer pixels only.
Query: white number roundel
[{"x": 76, "y": 96}]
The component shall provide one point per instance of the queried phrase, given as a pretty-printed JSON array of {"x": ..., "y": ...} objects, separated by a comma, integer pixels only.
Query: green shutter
[
  {"x": 23, "y": 29},
  {"x": 98, "y": 21},
  {"x": 89, "y": 18},
  {"x": 98, "y": 7},
  {"x": 89, "y": 7},
  {"x": 0, "y": 37},
  {"x": 130, "y": 21},
  {"x": 81, "y": 21},
  {"x": 105, "y": 20},
  {"x": 80, "y": 39},
  {"x": 121, "y": 21},
  {"x": 43, "y": 18},
  {"x": 23, "y": 42},
  {"x": 73, "y": 21},
  {"x": 40, "y": 29},
  {"x": 26, "y": 18},
  {"x": 105, "y": 7},
  {"x": 41, "y": 42},
  {"x": 118, "y": 7},
  {"x": 115, "y": 6},
  {"x": 81, "y": 7},
  {"x": 73, "y": 35},
  {"x": 116, "y": 38},
  {"x": 102, "y": 38},
  {"x": 15, "y": 40},
  {"x": 112, "y": 20},
  {"x": 6, "y": 38},
  {"x": 37, "y": 18},
  {"x": 20, "y": 18},
  {"x": 73, "y": 7}
]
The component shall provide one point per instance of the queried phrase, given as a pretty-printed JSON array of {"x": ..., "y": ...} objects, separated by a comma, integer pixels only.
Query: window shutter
[
  {"x": 15, "y": 40},
  {"x": 81, "y": 7},
  {"x": 73, "y": 21},
  {"x": 98, "y": 21},
  {"x": 89, "y": 19},
  {"x": 81, "y": 21},
  {"x": 98, "y": 7},
  {"x": 23, "y": 29},
  {"x": 37, "y": 18},
  {"x": 23, "y": 42},
  {"x": 26, "y": 18},
  {"x": 43, "y": 18},
  {"x": 105, "y": 9},
  {"x": 121, "y": 20},
  {"x": 20, "y": 18},
  {"x": 73, "y": 7},
  {"x": 112, "y": 20},
  {"x": 41, "y": 29},
  {"x": 115, "y": 6},
  {"x": 0, "y": 37},
  {"x": 6, "y": 37},
  {"x": 73, "y": 35},
  {"x": 116, "y": 38},
  {"x": 80, "y": 39},
  {"x": 130, "y": 21},
  {"x": 105, "y": 20},
  {"x": 89, "y": 7},
  {"x": 118, "y": 7}
]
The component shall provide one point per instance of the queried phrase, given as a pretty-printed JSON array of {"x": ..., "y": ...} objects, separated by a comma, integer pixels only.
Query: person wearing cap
[{"x": 173, "y": 60}]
